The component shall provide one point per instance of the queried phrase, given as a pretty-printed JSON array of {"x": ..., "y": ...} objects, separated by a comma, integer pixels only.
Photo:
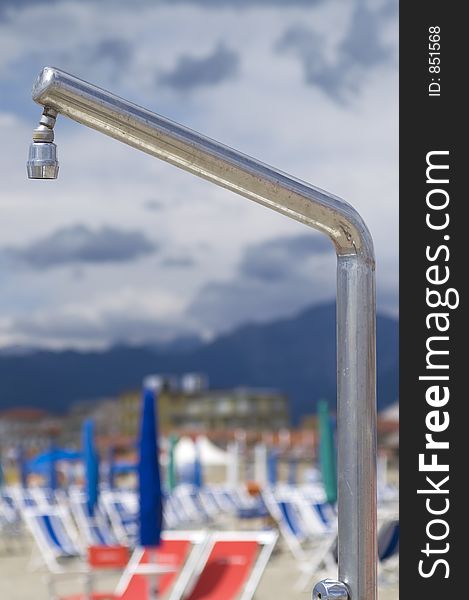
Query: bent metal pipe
[{"x": 61, "y": 93}]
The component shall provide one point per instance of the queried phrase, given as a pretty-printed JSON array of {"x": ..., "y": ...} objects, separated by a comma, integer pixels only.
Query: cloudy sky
[{"x": 123, "y": 247}]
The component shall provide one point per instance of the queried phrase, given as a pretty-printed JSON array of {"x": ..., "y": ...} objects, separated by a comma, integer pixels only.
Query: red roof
[{"x": 23, "y": 414}]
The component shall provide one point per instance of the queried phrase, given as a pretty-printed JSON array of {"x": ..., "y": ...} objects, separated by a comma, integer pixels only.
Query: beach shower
[{"x": 64, "y": 94}]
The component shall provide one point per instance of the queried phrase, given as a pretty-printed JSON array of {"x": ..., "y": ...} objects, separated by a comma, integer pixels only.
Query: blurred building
[
  {"x": 193, "y": 407},
  {"x": 103, "y": 411},
  {"x": 239, "y": 408},
  {"x": 32, "y": 428},
  {"x": 186, "y": 404}
]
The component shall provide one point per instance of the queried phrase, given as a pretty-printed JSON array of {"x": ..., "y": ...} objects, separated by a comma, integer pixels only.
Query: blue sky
[{"x": 123, "y": 247}]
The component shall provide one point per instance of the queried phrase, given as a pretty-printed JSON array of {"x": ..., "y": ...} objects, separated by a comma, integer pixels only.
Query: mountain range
[{"x": 295, "y": 355}]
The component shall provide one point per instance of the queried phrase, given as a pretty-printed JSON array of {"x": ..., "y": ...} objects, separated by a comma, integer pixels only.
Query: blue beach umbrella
[
  {"x": 45, "y": 463},
  {"x": 149, "y": 481},
  {"x": 197, "y": 473},
  {"x": 272, "y": 467},
  {"x": 52, "y": 479},
  {"x": 91, "y": 463},
  {"x": 54, "y": 455}
]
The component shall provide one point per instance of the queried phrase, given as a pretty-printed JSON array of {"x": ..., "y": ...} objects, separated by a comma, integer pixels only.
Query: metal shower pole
[{"x": 62, "y": 93}]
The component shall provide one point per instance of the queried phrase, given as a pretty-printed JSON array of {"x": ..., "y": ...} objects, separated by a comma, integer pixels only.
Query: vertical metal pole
[{"x": 356, "y": 420}]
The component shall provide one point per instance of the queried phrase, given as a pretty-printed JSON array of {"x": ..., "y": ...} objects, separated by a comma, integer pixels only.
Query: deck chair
[
  {"x": 318, "y": 518},
  {"x": 94, "y": 528},
  {"x": 312, "y": 553},
  {"x": 121, "y": 511},
  {"x": 22, "y": 498},
  {"x": 388, "y": 551},
  {"x": 228, "y": 566},
  {"x": 388, "y": 540},
  {"x": 57, "y": 544},
  {"x": 191, "y": 504},
  {"x": 181, "y": 550},
  {"x": 224, "y": 501},
  {"x": 55, "y": 536},
  {"x": 45, "y": 497},
  {"x": 178, "y": 508},
  {"x": 102, "y": 559},
  {"x": 10, "y": 522},
  {"x": 9, "y": 514},
  {"x": 231, "y": 566},
  {"x": 172, "y": 517},
  {"x": 209, "y": 503}
]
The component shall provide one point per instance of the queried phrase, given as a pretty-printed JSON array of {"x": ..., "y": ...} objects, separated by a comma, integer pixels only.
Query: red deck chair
[
  {"x": 180, "y": 550},
  {"x": 172, "y": 552},
  {"x": 232, "y": 566},
  {"x": 102, "y": 558}
]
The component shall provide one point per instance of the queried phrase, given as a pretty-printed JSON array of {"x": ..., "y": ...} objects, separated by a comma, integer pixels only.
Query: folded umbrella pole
[
  {"x": 91, "y": 460},
  {"x": 149, "y": 482},
  {"x": 171, "y": 475},
  {"x": 197, "y": 474},
  {"x": 327, "y": 452},
  {"x": 272, "y": 467},
  {"x": 52, "y": 479}
]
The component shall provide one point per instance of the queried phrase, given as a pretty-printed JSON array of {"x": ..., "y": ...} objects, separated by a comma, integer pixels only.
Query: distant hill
[{"x": 295, "y": 355}]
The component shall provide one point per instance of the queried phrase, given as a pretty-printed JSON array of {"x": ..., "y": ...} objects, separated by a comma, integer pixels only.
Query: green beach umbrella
[
  {"x": 171, "y": 478},
  {"x": 327, "y": 454}
]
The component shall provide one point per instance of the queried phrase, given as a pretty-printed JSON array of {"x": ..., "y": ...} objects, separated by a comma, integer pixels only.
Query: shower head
[{"x": 42, "y": 160}]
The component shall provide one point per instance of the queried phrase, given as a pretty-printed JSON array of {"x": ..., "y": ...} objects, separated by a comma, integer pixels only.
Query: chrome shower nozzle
[{"x": 42, "y": 160}]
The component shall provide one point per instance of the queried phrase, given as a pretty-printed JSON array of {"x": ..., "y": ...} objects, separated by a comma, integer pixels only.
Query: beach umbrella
[
  {"x": 149, "y": 482},
  {"x": 91, "y": 463},
  {"x": 52, "y": 479},
  {"x": 171, "y": 475},
  {"x": 272, "y": 467},
  {"x": 46, "y": 463},
  {"x": 54, "y": 454},
  {"x": 327, "y": 454},
  {"x": 197, "y": 472}
]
